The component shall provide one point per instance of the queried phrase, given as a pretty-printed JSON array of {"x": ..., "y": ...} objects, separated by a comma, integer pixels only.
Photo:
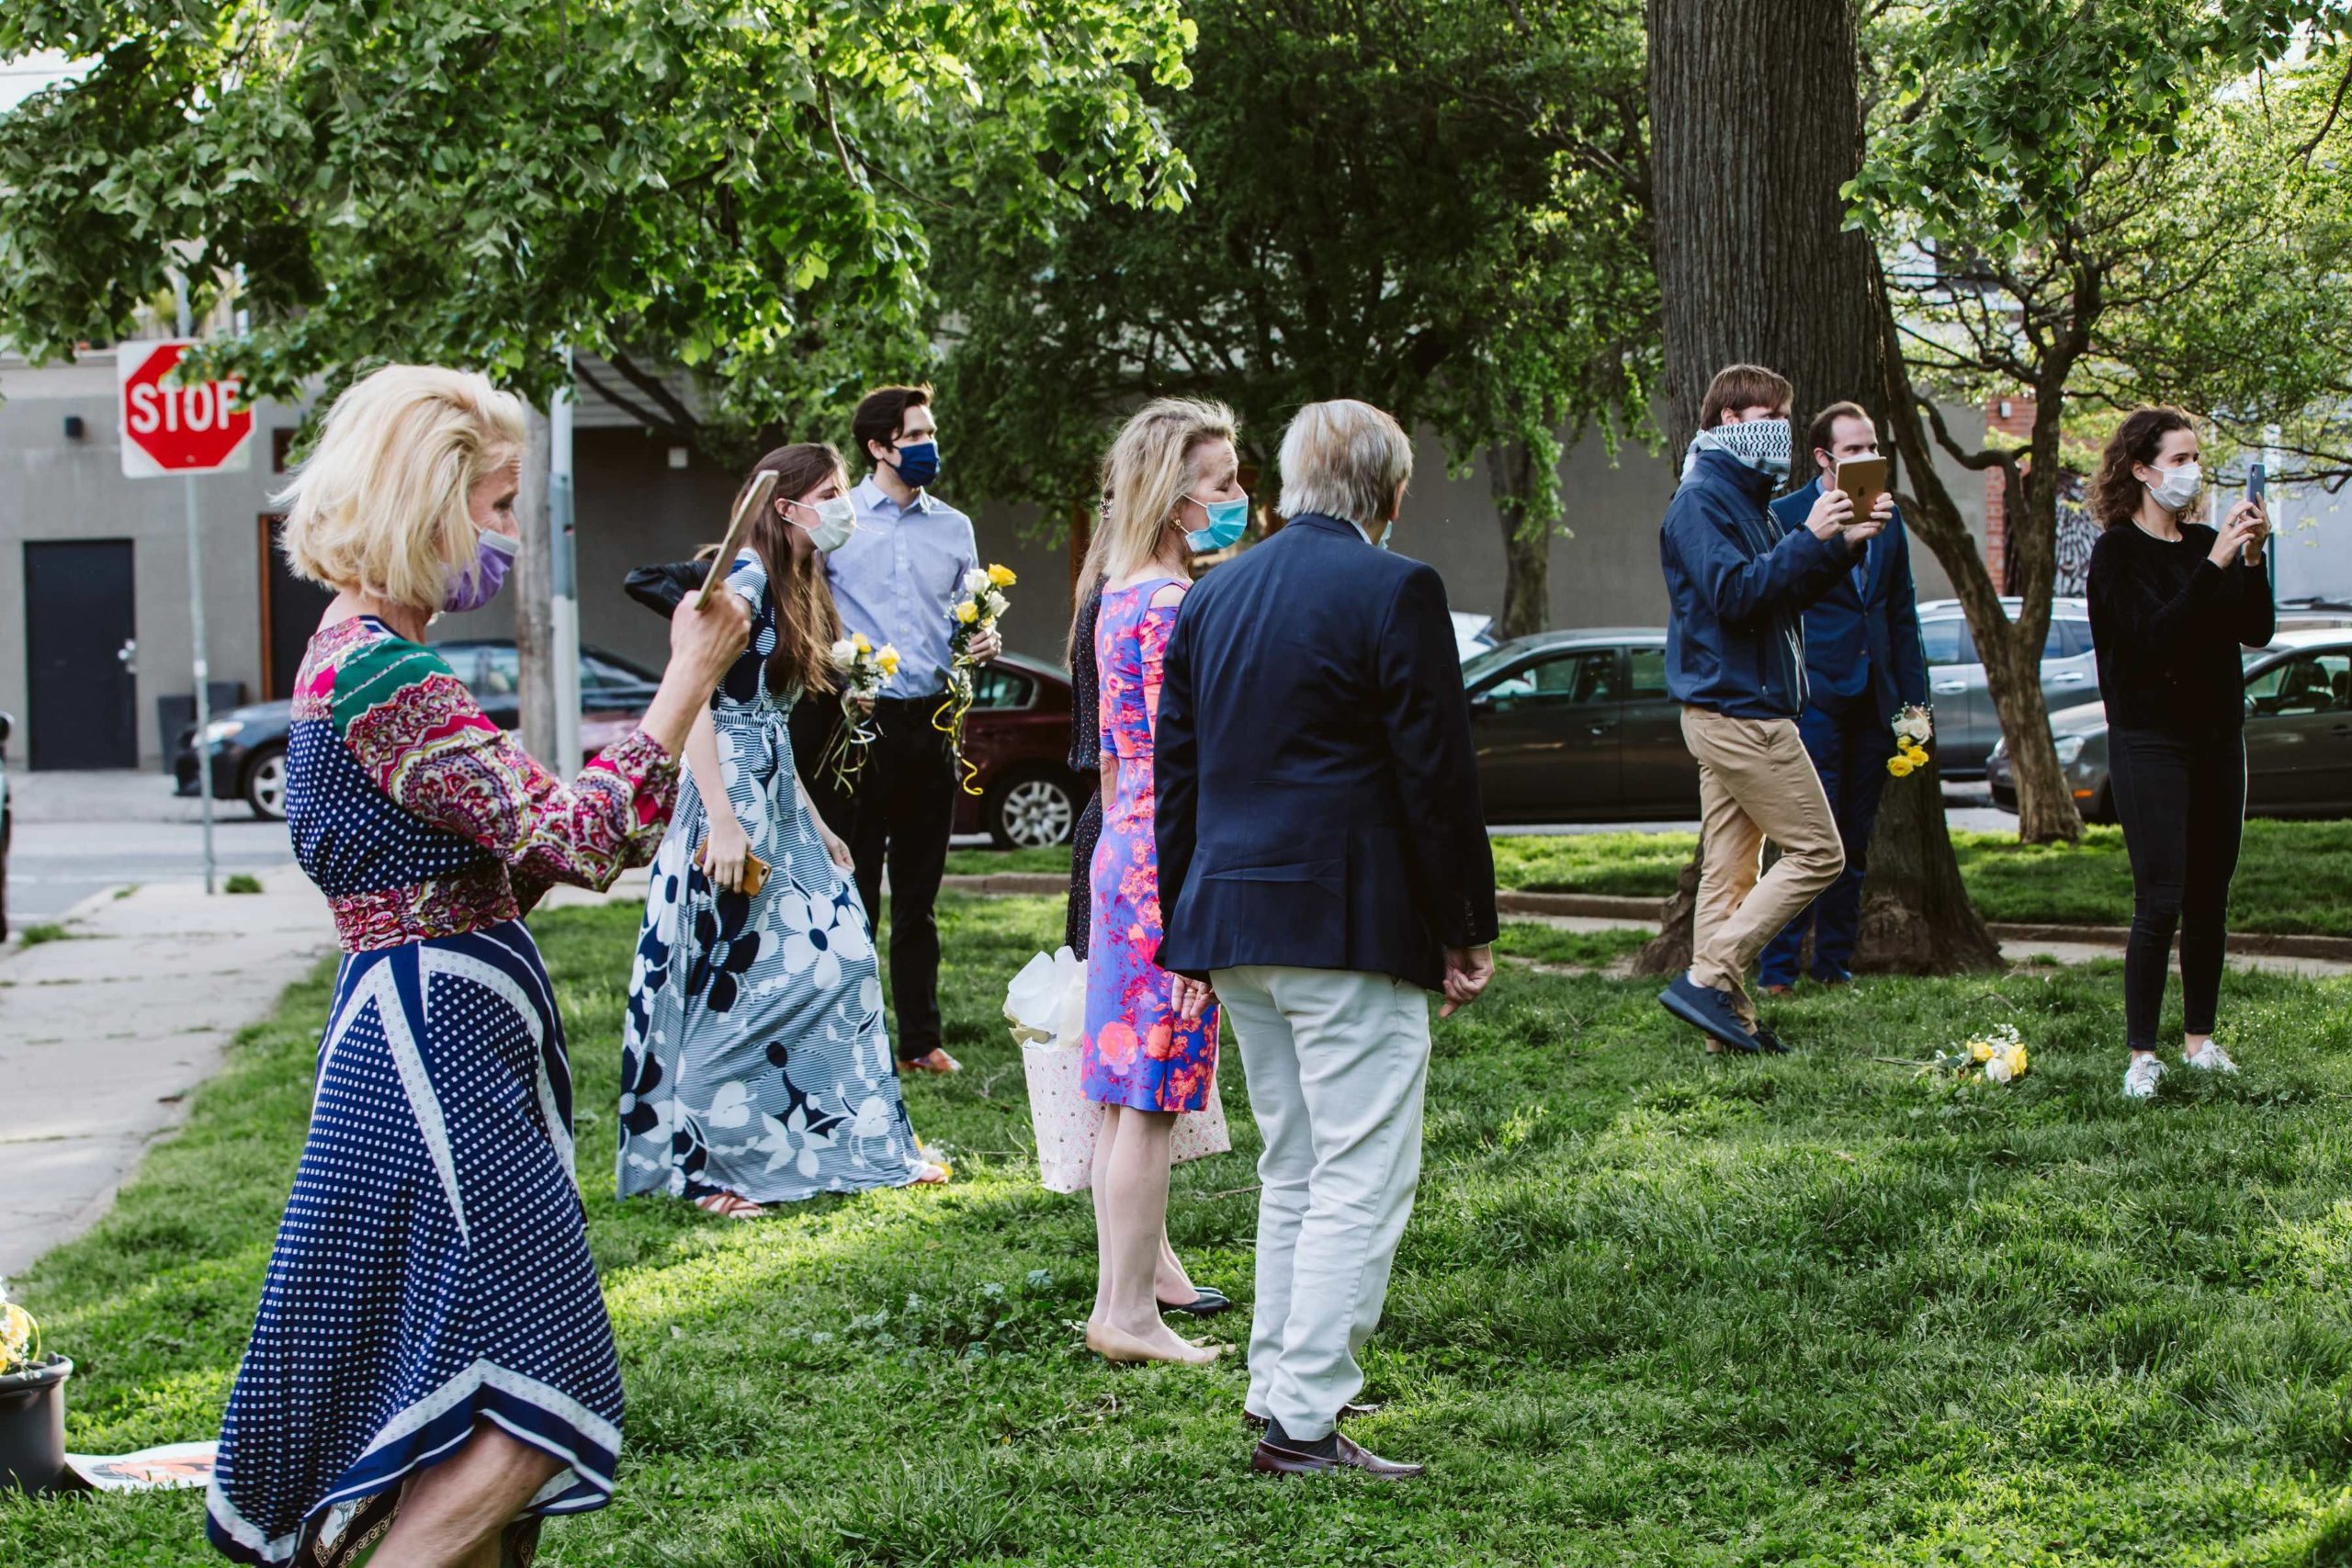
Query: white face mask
[
  {"x": 836, "y": 520},
  {"x": 2179, "y": 486}
]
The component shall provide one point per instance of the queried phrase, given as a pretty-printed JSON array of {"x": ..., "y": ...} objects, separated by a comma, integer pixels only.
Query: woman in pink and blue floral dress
[{"x": 1174, "y": 482}]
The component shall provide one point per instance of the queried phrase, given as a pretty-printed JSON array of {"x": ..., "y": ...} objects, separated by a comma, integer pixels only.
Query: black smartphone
[{"x": 2257, "y": 476}]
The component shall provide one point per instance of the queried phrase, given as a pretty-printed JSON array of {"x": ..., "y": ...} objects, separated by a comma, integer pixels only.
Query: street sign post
[{"x": 184, "y": 430}]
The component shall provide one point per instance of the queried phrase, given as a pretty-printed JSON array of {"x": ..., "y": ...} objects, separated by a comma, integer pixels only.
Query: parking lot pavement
[{"x": 80, "y": 834}]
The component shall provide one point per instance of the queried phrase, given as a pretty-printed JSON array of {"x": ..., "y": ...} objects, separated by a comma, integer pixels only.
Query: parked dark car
[
  {"x": 2298, "y": 734},
  {"x": 1575, "y": 727},
  {"x": 248, "y": 744}
]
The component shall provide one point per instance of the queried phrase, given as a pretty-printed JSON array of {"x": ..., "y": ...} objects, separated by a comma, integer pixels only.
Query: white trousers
[{"x": 1336, "y": 1063}]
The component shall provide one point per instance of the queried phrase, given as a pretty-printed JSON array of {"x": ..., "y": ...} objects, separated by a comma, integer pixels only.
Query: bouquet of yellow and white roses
[
  {"x": 1914, "y": 728},
  {"x": 1997, "y": 1056},
  {"x": 863, "y": 670},
  {"x": 976, "y": 612},
  {"x": 19, "y": 1335}
]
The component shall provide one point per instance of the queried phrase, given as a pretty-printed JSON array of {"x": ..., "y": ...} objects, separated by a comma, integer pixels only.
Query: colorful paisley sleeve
[{"x": 427, "y": 743}]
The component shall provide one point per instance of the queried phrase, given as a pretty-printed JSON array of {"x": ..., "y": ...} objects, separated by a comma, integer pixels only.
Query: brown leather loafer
[
  {"x": 1257, "y": 1423},
  {"x": 936, "y": 1060},
  {"x": 1269, "y": 1459}
]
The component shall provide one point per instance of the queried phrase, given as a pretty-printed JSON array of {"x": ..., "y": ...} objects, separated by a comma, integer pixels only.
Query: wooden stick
[{"x": 738, "y": 528}]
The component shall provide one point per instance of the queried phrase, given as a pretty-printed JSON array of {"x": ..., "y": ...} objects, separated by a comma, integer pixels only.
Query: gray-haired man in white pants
[{"x": 1324, "y": 867}]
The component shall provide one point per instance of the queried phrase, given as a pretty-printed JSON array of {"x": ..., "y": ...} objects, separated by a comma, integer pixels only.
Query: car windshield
[{"x": 1478, "y": 666}]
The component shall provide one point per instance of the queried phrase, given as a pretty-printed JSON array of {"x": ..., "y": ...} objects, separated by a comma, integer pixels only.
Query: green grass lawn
[
  {"x": 1651, "y": 1309},
  {"x": 2292, "y": 877}
]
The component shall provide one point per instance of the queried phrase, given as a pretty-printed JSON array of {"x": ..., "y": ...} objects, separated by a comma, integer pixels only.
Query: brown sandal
[{"x": 730, "y": 1205}]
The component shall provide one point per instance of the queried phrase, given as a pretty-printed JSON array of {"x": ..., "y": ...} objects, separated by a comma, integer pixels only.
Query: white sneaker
[
  {"x": 2139, "y": 1077},
  {"x": 2212, "y": 1059}
]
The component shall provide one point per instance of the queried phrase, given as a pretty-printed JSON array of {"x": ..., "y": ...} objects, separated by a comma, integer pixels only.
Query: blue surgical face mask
[
  {"x": 918, "y": 464},
  {"x": 1229, "y": 520}
]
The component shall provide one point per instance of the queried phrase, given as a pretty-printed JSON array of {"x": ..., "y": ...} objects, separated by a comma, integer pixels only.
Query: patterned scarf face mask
[{"x": 1761, "y": 444}]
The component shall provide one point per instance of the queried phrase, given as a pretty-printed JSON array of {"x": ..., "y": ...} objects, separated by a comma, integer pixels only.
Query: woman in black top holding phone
[{"x": 2171, "y": 603}]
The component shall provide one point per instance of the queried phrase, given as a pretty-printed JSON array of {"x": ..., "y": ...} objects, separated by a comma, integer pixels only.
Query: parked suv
[{"x": 1966, "y": 725}]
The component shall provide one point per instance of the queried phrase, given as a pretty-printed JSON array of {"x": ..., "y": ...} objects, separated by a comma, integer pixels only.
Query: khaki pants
[
  {"x": 1755, "y": 782},
  {"x": 1336, "y": 1063}
]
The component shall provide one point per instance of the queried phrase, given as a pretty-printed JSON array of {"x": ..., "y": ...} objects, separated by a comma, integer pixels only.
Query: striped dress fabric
[{"x": 432, "y": 1270}]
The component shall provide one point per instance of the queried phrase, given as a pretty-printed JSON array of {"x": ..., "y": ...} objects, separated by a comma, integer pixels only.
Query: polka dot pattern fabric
[{"x": 432, "y": 1270}]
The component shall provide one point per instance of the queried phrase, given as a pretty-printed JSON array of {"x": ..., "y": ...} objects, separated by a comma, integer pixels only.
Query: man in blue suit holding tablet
[{"x": 1863, "y": 665}]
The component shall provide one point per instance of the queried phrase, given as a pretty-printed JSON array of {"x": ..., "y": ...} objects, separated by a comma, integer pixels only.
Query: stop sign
[{"x": 195, "y": 428}]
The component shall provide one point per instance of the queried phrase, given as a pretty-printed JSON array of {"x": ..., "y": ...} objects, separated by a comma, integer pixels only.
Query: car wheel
[
  {"x": 265, "y": 784},
  {"x": 1032, "y": 812}
]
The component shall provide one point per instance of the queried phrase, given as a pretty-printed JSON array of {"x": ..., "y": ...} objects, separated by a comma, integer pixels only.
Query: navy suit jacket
[
  {"x": 1863, "y": 653},
  {"x": 1316, "y": 786}
]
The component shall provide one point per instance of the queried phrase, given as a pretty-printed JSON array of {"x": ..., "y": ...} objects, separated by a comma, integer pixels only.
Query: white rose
[
  {"x": 993, "y": 603},
  {"x": 976, "y": 581},
  {"x": 844, "y": 654},
  {"x": 1998, "y": 1070}
]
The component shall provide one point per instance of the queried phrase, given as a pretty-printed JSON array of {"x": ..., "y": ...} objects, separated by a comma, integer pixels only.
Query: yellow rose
[
  {"x": 888, "y": 660},
  {"x": 2016, "y": 1060},
  {"x": 863, "y": 646},
  {"x": 1002, "y": 576},
  {"x": 1918, "y": 753},
  {"x": 1901, "y": 767},
  {"x": 1981, "y": 1049},
  {"x": 968, "y": 611}
]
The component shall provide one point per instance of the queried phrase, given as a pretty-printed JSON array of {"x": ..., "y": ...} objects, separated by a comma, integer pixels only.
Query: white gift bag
[{"x": 1046, "y": 1007}]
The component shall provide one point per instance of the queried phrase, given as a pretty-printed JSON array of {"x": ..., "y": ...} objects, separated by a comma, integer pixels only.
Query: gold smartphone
[
  {"x": 1864, "y": 479},
  {"x": 738, "y": 528},
  {"x": 755, "y": 871}
]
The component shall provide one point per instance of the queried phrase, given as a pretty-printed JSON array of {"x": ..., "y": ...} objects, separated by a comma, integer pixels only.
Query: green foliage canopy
[{"x": 749, "y": 190}]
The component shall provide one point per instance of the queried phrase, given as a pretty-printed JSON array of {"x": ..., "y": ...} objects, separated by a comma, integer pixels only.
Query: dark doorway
[
  {"x": 79, "y": 653},
  {"x": 290, "y": 609}
]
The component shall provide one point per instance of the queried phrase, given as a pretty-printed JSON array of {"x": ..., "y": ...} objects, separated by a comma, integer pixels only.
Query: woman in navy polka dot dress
[
  {"x": 431, "y": 1369},
  {"x": 756, "y": 1068}
]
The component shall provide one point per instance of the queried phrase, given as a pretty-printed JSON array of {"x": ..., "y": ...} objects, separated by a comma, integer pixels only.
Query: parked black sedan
[
  {"x": 248, "y": 744},
  {"x": 1575, "y": 727}
]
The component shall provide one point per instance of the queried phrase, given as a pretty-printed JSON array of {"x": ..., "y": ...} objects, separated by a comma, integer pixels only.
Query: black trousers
[
  {"x": 2182, "y": 804},
  {"x": 897, "y": 817}
]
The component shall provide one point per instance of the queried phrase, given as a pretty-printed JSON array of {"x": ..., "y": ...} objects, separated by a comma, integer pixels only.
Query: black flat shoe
[{"x": 1208, "y": 1302}]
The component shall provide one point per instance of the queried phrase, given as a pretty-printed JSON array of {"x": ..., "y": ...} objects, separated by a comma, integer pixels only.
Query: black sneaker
[
  {"x": 1770, "y": 1043},
  {"x": 1708, "y": 1009}
]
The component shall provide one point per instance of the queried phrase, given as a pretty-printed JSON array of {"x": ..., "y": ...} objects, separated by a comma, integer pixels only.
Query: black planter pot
[{"x": 32, "y": 1426}]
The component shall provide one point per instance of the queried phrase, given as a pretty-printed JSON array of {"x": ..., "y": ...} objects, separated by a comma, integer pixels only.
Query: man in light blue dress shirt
[{"x": 897, "y": 580}]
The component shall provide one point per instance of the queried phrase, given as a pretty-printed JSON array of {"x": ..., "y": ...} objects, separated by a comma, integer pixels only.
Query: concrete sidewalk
[{"x": 104, "y": 1032}]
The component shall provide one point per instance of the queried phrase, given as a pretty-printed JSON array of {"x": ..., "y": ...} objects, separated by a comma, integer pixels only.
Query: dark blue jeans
[{"x": 1849, "y": 752}]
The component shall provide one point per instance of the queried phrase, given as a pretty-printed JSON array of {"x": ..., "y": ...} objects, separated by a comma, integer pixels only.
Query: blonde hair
[
  {"x": 1343, "y": 460},
  {"x": 379, "y": 505},
  {"x": 1146, "y": 476}
]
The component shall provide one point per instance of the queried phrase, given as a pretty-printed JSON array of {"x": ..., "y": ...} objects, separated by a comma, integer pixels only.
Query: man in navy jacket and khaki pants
[
  {"x": 1323, "y": 862},
  {"x": 1737, "y": 586}
]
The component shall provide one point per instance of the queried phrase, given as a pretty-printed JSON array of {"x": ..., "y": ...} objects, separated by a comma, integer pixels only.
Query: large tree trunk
[
  {"x": 1756, "y": 124},
  {"x": 1527, "y": 552}
]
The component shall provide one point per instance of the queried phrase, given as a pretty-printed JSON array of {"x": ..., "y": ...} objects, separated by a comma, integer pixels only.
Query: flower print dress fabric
[
  {"x": 1136, "y": 1051},
  {"x": 754, "y": 1058}
]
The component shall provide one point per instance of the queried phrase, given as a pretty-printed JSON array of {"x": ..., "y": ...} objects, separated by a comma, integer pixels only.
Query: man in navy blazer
[
  {"x": 1864, "y": 664},
  {"x": 1323, "y": 865}
]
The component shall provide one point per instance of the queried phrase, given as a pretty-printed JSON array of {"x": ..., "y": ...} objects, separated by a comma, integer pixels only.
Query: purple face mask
[{"x": 473, "y": 590}]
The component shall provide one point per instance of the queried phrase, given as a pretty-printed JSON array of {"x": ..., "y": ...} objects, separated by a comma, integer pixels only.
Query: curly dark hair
[{"x": 2115, "y": 493}]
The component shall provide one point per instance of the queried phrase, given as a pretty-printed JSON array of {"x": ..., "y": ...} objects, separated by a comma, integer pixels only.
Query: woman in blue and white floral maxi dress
[{"x": 756, "y": 1067}]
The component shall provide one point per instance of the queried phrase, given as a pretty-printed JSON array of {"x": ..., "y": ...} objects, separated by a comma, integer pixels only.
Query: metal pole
[
  {"x": 565, "y": 581},
  {"x": 196, "y": 623}
]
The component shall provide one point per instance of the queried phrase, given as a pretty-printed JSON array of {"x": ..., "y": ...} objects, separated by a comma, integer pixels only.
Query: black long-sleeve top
[
  {"x": 1085, "y": 687},
  {"x": 2168, "y": 624}
]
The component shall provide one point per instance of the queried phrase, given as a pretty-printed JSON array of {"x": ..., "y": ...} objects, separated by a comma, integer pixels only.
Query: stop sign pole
[{"x": 186, "y": 430}]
